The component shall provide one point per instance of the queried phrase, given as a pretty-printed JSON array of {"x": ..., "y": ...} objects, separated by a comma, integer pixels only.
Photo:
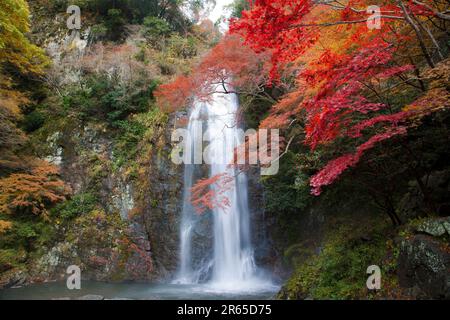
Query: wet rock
[
  {"x": 286, "y": 293},
  {"x": 262, "y": 243},
  {"x": 435, "y": 227},
  {"x": 12, "y": 278},
  {"x": 424, "y": 263},
  {"x": 162, "y": 199},
  {"x": 91, "y": 297}
]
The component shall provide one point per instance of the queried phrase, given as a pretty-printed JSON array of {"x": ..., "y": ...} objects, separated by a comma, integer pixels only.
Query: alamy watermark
[
  {"x": 74, "y": 20},
  {"x": 374, "y": 20},
  {"x": 235, "y": 147},
  {"x": 74, "y": 279},
  {"x": 374, "y": 280}
]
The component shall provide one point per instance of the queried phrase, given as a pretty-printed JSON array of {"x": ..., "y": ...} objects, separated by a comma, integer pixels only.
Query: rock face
[
  {"x": 163, "y": 195},
  {"x": 435, "y": 227},
  {"x": 413, "y": 205},
  {"x": 262, "y": 243},
  {"x": 133, "y": 233},
  {"x": 12, "y": 278},
  {"x": 136, "y": 238},
  {"x": 424, "y": 261}
]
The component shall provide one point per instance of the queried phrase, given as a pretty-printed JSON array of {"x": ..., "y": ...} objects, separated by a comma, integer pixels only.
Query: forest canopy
[{"x": 345, "y": 88}]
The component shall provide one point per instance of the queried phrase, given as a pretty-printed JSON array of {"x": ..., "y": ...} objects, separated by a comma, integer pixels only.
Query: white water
[
  {"x": 186, "y": 273},
  {"x": 232, "y": 266}
]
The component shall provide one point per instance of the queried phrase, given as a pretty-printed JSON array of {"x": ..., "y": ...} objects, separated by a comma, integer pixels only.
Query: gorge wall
[{"x": 122, "y": 219}]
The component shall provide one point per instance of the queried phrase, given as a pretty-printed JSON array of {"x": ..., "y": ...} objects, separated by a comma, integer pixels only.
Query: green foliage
[
  {"x": 16, "y": 50},
  {"x": 26, "y": 231},
  {"x": 133, "y": 133},
  {"x": 99, "y": 31},
  {"x": 28, "y": 234},
  {"x": 288, "y": 191},
  {"x": 237, "y": 6},
  {"x": 11, "y": 258},
  {"x": 78, "y": 205},
  {"x": 255, "y": 109},
  {"x": 33, "y": 121},
  {"x": 181, "y": 47},
  {"x": 155, "y": 28},
  {"x": 114, "y": 23},
  {"x": 104, "y": 98},
  {"x": 131, "y": 11},
  {"x": 339, "y": 271},
  {"x": 287, "y": 196},
  {"x": 126, "y": 144}
]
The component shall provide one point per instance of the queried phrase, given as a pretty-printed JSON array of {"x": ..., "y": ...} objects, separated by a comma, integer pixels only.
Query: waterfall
[
  {"x": 233, "y": 254},
  {"x": 186, "y": 274},
  {"x": 231, "y": 264}
]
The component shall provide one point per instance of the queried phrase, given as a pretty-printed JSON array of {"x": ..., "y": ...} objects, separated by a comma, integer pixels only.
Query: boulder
[
  {"x": 435, "y": 227},
  {"x": 12, "y": 278},
  {"x": 424, "y": 265}
]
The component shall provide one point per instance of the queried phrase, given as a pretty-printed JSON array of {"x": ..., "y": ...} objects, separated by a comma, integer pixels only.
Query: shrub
[
  {"x": 155, "y": 28},
  {"x": 339, "y": 271},
  {"x": 33, "y": 121},
  {"x": 99, "y": 31},
  {"x": 10, "y": 258},
  {"x": 5, "y": 226},
  {"x": 181, "y": 47},
  {"x": 33, "y": 192},
  {"x": 104, "y": 98},
  {"x": 115, "y": 24},
  {"x": 79, "y": 204}
]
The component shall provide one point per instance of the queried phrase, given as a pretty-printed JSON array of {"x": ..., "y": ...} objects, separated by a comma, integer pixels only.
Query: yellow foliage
[
  {"x": 439, "y": 77},
  {"x": 18, "y": 56},
  {"x": 15, "y": 48},
  {"x": 437, "y": 97},
  {"x": 5, "y": 226}
]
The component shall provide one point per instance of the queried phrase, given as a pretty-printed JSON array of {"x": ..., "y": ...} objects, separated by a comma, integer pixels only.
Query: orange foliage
[
  {"x": 133, "y": 248},
  {"x": 5, "y": 226},
  {"x": 176, "y": 94},
  {"x": 229, "y": 66},
  {"x": 32, "y": 192},
  {"x": 210, "y": 193}
]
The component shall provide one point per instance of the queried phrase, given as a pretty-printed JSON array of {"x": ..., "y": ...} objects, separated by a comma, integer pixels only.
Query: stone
[
  {"x": 12, "y": 278},
  {"x": 424, "y": 262},
  {"x": 91, "y": 297},
  {"x": 435, "y": 227},
  {"x": 446, "y": 225}
]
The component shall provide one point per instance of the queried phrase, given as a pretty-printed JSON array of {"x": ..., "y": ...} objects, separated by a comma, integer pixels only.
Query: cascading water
[
  {"x": 232, "y": 263},
  {"x": 186, "y": 274},
  {"x": 233, "y": 254}
]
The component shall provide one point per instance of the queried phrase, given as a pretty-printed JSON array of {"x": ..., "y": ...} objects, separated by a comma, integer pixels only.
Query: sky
[{"x": 219, "y": 9}]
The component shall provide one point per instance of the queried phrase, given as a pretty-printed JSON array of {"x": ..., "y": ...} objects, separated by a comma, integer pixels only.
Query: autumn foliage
[
  {"x": 32, "y": 192},
  {"x": 345, "y": 69},
  {"x": 19, "y": 60},
  {"x": 230, "y": 64},
  {"x": 210, "y": 193},
  {"x": 5, "y": 226},
  {"x": 339, "y": 74}
]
